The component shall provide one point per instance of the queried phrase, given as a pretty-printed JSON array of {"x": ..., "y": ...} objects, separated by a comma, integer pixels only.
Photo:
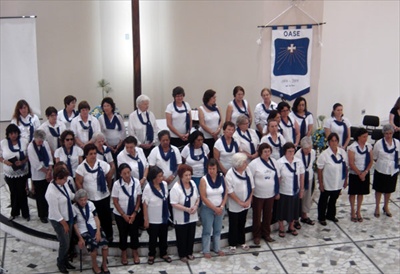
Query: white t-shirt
[
  {"x": 113, "y": 136},
  {"x": 177, "y": 196},
  {"x": 245, "y": 144},
  {"x": 74, "y": 158},
  {"x": 123, "y": 199},
  {"x": 214, "y": 195},
  {"x": 289, "y": 130},
  {"x": 198, "y": 166},
  {"x": 276, "y": 152},
  {"x": 154, "y": 204},
  {"x": 225, "y": 157},
  {"x": 211, "y": 119},
  {"x": 64, "y": 120},
  {"x": 236, "y": 112},
  {"x": 260, "y": 115},
  {"x": 332, "y": 172},
  {"x": 359, "y": 159},
  {"x": 287, "y": 176},
  {"x": 339, "y": 130},
  {"x": 80, "y": 132},
  {"x": 264, "y": 178},
  {"x": 308, "y": 119},
  {"x": 155, "y": 159},
  {"x": 178, "y": 119},
  {"x": 239, "y": 187}
]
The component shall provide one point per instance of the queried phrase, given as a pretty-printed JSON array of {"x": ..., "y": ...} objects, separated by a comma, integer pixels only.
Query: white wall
[{"x": 360, "y": 58}]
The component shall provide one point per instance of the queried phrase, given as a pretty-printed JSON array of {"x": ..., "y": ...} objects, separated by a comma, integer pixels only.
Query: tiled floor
[{"x": 372, "y": 246}]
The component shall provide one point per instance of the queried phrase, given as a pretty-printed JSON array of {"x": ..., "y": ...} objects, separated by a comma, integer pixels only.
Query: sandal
[
  {"x": 293, "y": 232},
  {"x": 167, "y": 259},
  {"x": 136, "y": 259},
  {"x": 245, "y": 247},
  {"x": 232, "y": 249},
  {"x": 221, "y": 253},
  {"x": 359, "y": 218},
  {"x": 190, "y": 257},
  {"x": 307, "y": 221},
  {"x": 124, "y": 259},
  {"x": 207, "y": 255},
  {"x": 150, "y": 260},
  {"x": 297, "y": 225},
  {"x": 281, "y": 233},
  {"x": 354, "y": 219}
]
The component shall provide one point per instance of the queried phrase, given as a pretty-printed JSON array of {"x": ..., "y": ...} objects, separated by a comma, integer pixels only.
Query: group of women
[{"x": 160, "y": 178}]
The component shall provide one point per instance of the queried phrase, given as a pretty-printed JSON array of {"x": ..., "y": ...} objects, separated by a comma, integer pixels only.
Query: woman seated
[{"x": 87, "y": 227}]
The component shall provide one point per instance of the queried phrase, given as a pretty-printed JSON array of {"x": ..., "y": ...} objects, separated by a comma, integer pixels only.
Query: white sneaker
[{"x": 232, "y": 249}]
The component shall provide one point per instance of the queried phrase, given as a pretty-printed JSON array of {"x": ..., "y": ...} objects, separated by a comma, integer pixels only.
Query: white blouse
[
  {"x": 155, "y": 159},
  {"x": 81, "y": 221},
  {"x": 7, "y": 154},
  {"x": 62, "y": 119},
  {"x": 80, "y": 132},
  {"x": 385, "y": 161},
  {"x": 198, "y": 166},
  {"x": 154, "y": 204},
  {"x": 211, "y": 119},
  {"x": 178, "y": 197},
  {"x": 243, "y": 143},
  {"x": 235, "y": 111},
  {"x": 124, "y": 158},
  {"x": 36, "y": 165},
  {"x": 58, "y": 202},
  {"x": 339, "y": 130},
  {"x": 178, "y": 119},
  {"x": 239, "y": 187},
  {"x": 260, "y": 115},
  {"x": 332, "y": 172},
  {"x": 113, "y": 136},
  {"x": 137, "y": 129},
  {"x": 359, "y": 159},
  {"x": 276, "y": 153},
  {"x": 53, "y": 141},
  {"x": 25, "y": 130},
  {"x": 264, "y": 178},
  {"x": 287, "y": 176},
  {"x": 123, "y": 199},
  {"x": 74, "y": 158},
  {"x": 225, "y": 157}
]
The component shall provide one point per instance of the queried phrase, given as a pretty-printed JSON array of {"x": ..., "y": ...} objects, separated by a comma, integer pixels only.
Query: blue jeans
[
  {"x": 211, "y": 221},
  {"x": 64, "y": 240}
]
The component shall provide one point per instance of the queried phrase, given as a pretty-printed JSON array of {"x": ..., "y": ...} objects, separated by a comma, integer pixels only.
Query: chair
[
  {"x": 370, "y": 122},
  {"x": 353, "y": 131},
  {"x": 376, "y": 135}
]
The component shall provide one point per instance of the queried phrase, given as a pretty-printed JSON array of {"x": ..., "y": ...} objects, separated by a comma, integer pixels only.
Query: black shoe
[
  {"x": 11, "y": 218},
  {"x": 44, "y": 220},
  {"x": 27, "y": 218},
  {"x": 69, "y": 266},
  {"x": 335, "y": 220},
  {"x": 323, "y": 223},
  {"x": 62, "y": 269}
]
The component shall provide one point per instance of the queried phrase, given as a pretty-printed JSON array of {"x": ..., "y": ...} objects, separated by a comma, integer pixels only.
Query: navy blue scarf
[
  {"x": 248, "y": 182},
  {"x": 88, "y": 128},
  {"x": 396, "y": 153},
  {"x": 217, "y": 184},
  {"x": 367, "y": 156},
  {"x": 55, "y": 134},
  {"x": 199, "y": 157},
  {"x": 71, "y": 187},
  {"x": 106, "y": 150},
  {"x": 245, "y": 112},
  {"x": 186, "y": 215},
  {"x": 187, "y": 115},
  {"x": 165, "y": 212},
  {"x": 101, "y": 179},
  {"x": 30, "y": 125},
  {"x": 140, "y": 164},
  {"x": 295, "y": 177},
  {"x": 303, "y": 126},
  {"x": 19, "y": 150},
  {"x": 65, "y": 193},
  {"x": 66, "y": 115},
  {"x": 276, "y": 178},
  {"x": 89, "y": 227},
  {"x": 170, "y": 156},
  {"x": 345, "y": 129},
  {"x": 69, "y": 155},
  {"x": 268, "y": 111},
  {"x": 290, "y": 125},
  {"x": 113, "y": 123},
  {"x": 277, "y": 145},
  {"x": 149, "y": 127},
  {"x": 231, "y": 146},
  {"x": 306, "y": 165},
  {"x": 340, "y": 161},
  {"x": 248, "y": 139},
  {"x": 214, "y": 108},
  {"x": 42, "y": 154},
  {"x": 131, "y": 201}
]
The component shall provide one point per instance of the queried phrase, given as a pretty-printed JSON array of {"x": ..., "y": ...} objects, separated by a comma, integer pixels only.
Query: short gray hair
[
  {"x": 241, "y": 119},
  {"x": 238, "y": 159},
  {"x": 80, "y": 193},
  {"x": 142, "y": 98},
  {"x": 387, "y": 127},
  {"x": 306, "y": 142},
  {"x": 98, "y": 135},
  {"x": 39, "y": 135}
]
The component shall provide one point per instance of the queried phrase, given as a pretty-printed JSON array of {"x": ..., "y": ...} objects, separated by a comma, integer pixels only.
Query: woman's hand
[
  {"x": 98, "y": 235},
  {"x": 146, "y": 223},
  {"x": 132, "y": 218},
  {"x": 81, "y": 243}
]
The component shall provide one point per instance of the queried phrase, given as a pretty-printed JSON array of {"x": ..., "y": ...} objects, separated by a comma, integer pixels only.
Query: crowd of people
[{"x": 87, "y": 173}]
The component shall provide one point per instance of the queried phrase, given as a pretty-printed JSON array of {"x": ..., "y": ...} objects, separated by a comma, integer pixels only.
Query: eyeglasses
[{"x": 69, "y": 139}]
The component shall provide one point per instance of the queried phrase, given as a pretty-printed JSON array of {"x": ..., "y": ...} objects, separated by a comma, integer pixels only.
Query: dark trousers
[
  {"x": 237, "y": 222},
  {"x": 104, "y": 213},
  {"x": 262, "y": 216},
  {"x": 19, "y": 200},
  {"x": 64, "y": 239},
  {"x": 41, "y": 203},
  {"x": 327, "y": 204},
  {"x": 125, "y": 229},
  {"x": 185, "y": 238},
  {"x": 210, "y": 143},
  {"x": 178, "y": 143},
  {"x": 160, "y": 232}
]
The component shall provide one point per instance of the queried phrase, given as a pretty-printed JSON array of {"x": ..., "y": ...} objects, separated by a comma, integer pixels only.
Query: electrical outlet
[{"x": 363, "y": 111}]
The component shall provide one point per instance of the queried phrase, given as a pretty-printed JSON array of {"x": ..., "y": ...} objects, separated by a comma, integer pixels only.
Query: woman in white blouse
[
  {"x": 262, "y": 110},
  {"x": 246, "y": 137},
  {"x": 53, "y": 129},
  {"x": 266, "y": 176},
  {"x": 13, "y": 155},
  {"x": 239, "y": 185},
  {"x": 104, "y": 152},
  {"x": 386, "y": 155},
  {"x": 185, "y": 200},
  {"x": 112, "y": 125},
  {"x": 225, "y": 147},
  {"x": 288, "y": 126},
  {"x": 179, "y": 118},
  {"x": 61, "y": 214},
  {"x": 302, "y": 116},
  {"x": 360, "y": 162},
  {"x": 338, "y": 124},
  {"x": 84, "y": 125},
  {"x": 68, "y": 113},
  {"x": 210, "y": 119},
  {"x": 143, "y": 125},
  {"x": 26, "y": 121},
  {"x": 274, "y": 139},
  {"x": 156, "y": 214},
  {"x": 127, "y": 194},
  {"x": 291, "y": 189},
  {"x": 238, "y": 106},
  {"x": 332, "y": 177}
]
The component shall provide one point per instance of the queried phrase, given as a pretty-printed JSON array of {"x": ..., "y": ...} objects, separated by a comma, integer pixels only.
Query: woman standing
[
  {"x": 112, "y": 125},
  {"x": 95, "y": 177},
  {"x": 61, "y": 214},
  {"x": 302, "y": 116},
  {"x": 339, "y": 125},
  {"x": 291, "y": 189},
  {"x": 179, "y": 118},
  {"x": 185, "y": 201},
  {"x": 239, "y": 185},
  {"x": 225, "y": 147},
  {"x": 84, "y": 125},
  {"x": 238, "y": 106},
  {"x": 210, "y": 119},
  {"x": 156, "y": 214},
  {"x": 274, "y": 139},
  {"x": 41, "y": 162},
  {"x": 386, "y": 155},
  {"x": 14, "y": 159},
  {"x": 289, "y": 127},
  {"x": 69, "y": 153},
  {"x": 196, "y": 155},
  {"x": 213, "y": 196},
  {"x": 266, "y": 176},
  {"x": 360, "y": 162},
  {"x": 26, "y": 121},
  {"x": 394, "y": 119},
  {"x": 246, "y": 137},
  {"x": 143, "y": 125},
  {"x": 127, "y": 195},
  {"x": 68, "y": 113},
  {"x": 332, "y": 177},
  {"x": 263, "y": 110},
  {"x": 53, "y": 129}
]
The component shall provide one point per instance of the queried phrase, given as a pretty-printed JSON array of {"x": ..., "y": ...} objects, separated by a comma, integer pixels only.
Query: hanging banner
[{"x": 290, "y": 62}]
